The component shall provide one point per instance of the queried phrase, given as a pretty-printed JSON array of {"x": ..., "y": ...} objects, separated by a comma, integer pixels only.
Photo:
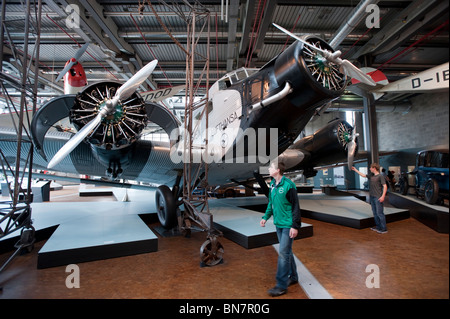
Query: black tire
[
  {"x": 166, "y": 207},
  {"x": 431, "y": 191}
]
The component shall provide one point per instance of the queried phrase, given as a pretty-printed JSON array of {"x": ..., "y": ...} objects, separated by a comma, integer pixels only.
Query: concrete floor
[{"x": 413, "y": 263}]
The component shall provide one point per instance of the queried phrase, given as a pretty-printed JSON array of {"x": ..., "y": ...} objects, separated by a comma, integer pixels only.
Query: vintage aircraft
[
  {"x": 73, "y": 73},
  {"x": 274, "y": 103}
]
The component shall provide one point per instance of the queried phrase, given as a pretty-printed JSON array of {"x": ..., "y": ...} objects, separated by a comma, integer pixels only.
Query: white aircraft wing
[{"x": 434, "y": 79}]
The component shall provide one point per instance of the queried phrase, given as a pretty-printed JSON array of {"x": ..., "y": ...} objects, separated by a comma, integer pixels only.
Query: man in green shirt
[{"x": 284, "y": 206}]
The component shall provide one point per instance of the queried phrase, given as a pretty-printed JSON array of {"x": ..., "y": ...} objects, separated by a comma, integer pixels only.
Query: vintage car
[{"x": 431, "y": 176}]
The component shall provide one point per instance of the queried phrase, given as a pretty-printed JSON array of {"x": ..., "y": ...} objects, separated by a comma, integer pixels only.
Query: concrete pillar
[{"x": 371, "y": 138}]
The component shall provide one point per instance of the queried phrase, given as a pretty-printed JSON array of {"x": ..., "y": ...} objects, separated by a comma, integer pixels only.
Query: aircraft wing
[
  {"x": 151, "y": 163},
  {"x": 432, "y": 80},
  {"x": 161, "y": 94}
]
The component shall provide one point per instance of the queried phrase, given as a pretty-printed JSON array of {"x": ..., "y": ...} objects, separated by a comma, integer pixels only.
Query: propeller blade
[
  {"x": 352, "y": 71},
  {"x": 81, "y": 51},
  {"x": 74, "y": 141},
  {"x": 125, "y": 91},
  {"x": 300, "y": 39},
  {"x": 74, "y": 60},
  {"x": 351, "y": 148},
  {"x": 135, "y": 81},
  {"x": 346, "y": 65},
  {"x": 65, "y": 70}
]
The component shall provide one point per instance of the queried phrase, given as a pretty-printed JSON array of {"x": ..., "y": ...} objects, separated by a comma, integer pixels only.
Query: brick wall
[{"x": 426, "y": 124}]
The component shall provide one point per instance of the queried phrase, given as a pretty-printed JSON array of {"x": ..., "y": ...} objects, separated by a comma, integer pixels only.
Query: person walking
[
  {"x": 285, "y": 208},
  {"x": 377, "y": 195}
]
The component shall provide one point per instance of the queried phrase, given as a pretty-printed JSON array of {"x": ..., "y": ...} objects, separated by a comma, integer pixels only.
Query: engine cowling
[
  {"x": 314, "y": 81},
  {"x": 326, "y": 146},
  {"x": 113, "y": 139},
  {"x": 312, "y": 77},
  {"x": 117, "y": 130}
]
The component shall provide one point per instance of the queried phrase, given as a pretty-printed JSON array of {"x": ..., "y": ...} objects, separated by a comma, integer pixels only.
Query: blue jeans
[
  {"x": 286, "y": 264},
  {"x": 378, "y": 215}
]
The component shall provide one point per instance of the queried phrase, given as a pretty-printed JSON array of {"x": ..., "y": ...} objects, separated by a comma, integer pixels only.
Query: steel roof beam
[
  {"x": 110, "y": 28},
  {"x": 400, "y": 29},
  {"x": 232, "y": 28}
]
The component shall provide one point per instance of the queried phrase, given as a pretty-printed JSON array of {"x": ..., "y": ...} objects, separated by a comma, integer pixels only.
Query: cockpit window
[
  {"x": 234, "y": 77},
  {"x": 241, "y": 74},
  {"x": 225, "y": 83}
]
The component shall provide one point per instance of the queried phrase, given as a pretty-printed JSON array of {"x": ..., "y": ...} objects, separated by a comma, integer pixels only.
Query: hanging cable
[
  {"x": 217, "y": 48},
  {"x": 412, "y": 45},
  {"x": 404, "y": 51},
  {"x": 359, "y": 39},
  {"x": 80, "y": 46},
  {"x": 257, "y": 31},
  {"x": 292, "y": 30},
  {"x": 150, "y": 49},
  {"x": 253, "y": 36}
]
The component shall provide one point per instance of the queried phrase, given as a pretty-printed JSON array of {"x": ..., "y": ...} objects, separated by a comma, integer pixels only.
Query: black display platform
[{"x": 433, "y": 216}]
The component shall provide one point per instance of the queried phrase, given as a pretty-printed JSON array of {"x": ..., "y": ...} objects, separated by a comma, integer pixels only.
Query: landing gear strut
[
  {"x": 196, "y": 209},
  {"x": 211, "y": 251}
]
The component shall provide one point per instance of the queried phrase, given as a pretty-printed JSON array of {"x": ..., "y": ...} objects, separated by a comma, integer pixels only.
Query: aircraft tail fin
[{"x": 362, "y": 89}]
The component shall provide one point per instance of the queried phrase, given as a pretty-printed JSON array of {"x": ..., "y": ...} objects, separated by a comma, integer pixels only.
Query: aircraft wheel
[
  {"x": 165, "y": 206},
  {"x": 431, "y": 191},
  {"x": 211, "y": 252}
]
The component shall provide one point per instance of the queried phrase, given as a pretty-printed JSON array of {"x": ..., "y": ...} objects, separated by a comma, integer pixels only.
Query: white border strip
[{"x": 309, "y": 284}]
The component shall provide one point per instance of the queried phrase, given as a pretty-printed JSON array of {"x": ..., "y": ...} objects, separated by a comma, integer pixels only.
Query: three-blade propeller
[
  {"x": 124, "y": 92},
  {"x": 346, "y": 66}
]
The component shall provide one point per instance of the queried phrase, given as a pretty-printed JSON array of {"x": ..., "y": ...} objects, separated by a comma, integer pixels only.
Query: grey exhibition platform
[
  {"x": 345, "y": 210},
  {"x": 88, "y": 231},
  {"x": 242, "y": 225},
  {"x": 108, "y": 232}
]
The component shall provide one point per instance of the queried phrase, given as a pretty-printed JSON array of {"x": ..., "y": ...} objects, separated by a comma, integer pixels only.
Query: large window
[
  {"x": 437, "y": 159},
  {"x": 350, "y": 117},
  {"x": 433, "y": 159}
]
